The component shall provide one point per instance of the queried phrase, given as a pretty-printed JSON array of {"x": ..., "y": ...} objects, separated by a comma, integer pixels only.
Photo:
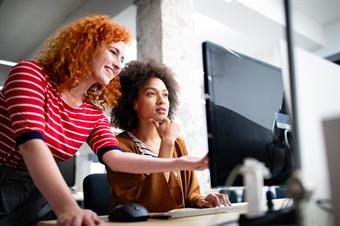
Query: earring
[{"x": 96, "y": 92}]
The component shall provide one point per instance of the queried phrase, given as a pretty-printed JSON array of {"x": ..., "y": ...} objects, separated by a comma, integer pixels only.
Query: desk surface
[{"x": 206, "y": 220}]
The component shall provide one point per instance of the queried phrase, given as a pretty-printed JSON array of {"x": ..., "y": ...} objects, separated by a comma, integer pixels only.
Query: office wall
[
  {"x": 318, "y": 93},
  {"x": 317, "y": 97}
]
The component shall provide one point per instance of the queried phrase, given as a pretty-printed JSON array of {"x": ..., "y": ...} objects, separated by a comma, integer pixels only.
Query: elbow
[{"x": 112, "y": 159}]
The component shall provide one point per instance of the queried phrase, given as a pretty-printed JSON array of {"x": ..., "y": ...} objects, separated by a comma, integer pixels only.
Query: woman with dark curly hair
[
  {"x": 145, "y": 111},
  {"x": 51, "y": 106}
]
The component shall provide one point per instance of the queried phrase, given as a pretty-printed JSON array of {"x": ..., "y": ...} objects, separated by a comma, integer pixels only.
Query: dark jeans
[{"x": 21, "y": 203}]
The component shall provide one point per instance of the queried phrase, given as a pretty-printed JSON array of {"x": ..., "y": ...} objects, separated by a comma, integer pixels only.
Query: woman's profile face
[
  {"x": 153, "y": 101},
  {"x": 108, "y": 62}
]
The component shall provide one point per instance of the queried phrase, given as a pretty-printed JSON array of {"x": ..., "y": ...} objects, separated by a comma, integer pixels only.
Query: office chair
[{"x": 97, "y": 194}]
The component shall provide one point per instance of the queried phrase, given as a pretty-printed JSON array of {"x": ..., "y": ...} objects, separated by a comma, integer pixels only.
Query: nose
[
  {"x": 117, "y": 64},
  {"x": 160, "y": 99}
]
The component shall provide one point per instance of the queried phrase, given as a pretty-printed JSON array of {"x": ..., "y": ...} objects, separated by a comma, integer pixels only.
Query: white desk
[{"x": 206, "y": 220}]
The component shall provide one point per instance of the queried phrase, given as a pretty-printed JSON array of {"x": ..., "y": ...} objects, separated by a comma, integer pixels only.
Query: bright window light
[{"x": 8, "y": 63}]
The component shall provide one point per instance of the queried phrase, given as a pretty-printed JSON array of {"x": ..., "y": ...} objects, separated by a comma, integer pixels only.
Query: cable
[
  {"x": 286, "y": 137},
  {"x": 269, "y": 196},
  {"x": 232, "y": 176}
]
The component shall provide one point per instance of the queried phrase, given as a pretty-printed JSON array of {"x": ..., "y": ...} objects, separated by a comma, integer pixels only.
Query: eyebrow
[
  {"x": 111, "y": 46},
  {"x": 153, "y": 88}
]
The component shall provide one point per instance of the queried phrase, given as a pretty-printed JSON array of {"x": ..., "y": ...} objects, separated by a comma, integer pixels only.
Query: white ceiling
[
  {"x": 255, "y": 27},
  {"x": 25, "y": 24},
  {"x": 324, "y": 11}
]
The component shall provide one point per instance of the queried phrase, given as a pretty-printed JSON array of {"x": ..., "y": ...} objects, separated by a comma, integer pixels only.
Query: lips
[
  {"x": 110, "y": 71},
  {"x": 161, "y": 110}
]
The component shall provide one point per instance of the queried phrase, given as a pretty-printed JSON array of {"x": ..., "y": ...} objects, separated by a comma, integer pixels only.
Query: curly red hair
[{"x": 68, "y": 54}]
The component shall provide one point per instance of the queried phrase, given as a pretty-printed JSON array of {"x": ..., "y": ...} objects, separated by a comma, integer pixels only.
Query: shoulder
[
  {"x": 28, "y": 63},
  {"x": 30, "y": 67},
  {"x": 26, "y": 77},
  {"x": 126, "y": 143},
  {"x": 124, "y": 137},
  {"x": 28, "y": 71}
]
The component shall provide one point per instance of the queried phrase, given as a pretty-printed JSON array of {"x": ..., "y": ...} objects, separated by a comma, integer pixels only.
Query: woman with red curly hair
[{"x": 51, "y": 106}]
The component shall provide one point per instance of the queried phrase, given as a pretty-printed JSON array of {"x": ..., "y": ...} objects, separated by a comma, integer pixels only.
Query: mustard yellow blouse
[{"x": 152, "y": 190}]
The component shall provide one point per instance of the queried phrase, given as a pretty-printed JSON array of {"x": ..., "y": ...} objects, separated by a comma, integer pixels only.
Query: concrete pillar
[{"x": 166, "y": 32}]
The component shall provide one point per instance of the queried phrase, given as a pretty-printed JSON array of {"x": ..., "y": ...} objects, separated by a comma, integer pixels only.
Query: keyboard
[{"x": 190, "y": 212}]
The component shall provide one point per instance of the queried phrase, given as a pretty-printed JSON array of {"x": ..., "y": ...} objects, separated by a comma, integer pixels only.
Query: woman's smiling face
[{"x": 108, "y": 62}]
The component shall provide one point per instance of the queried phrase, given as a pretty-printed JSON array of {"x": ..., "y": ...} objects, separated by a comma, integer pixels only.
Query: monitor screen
[{"x": 243, "y": 96}]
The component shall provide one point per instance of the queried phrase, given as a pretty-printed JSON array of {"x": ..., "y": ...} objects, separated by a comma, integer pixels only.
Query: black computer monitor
[{"x": 243, "y": 95}]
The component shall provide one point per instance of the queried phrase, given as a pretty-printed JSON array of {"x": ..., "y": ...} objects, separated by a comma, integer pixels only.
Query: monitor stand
[{"x": 286, "y": 216}]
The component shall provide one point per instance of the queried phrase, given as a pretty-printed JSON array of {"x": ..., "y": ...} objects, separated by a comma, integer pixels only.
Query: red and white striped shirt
[{"x": 31, "y": 107}]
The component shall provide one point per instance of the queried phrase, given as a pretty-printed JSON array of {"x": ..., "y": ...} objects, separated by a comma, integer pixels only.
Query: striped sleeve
[
  {"x": 102, "y": 139},
  {"x": 24, "y": 93}
]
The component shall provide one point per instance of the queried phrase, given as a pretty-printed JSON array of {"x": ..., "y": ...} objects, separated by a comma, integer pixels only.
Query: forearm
[
  {"x": 133, "y": 163},
  {"x": 46, "y": 175}
]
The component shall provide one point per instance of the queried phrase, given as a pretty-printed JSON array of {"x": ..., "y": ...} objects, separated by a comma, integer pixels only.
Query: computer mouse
[{"x": 129, "y": 212}]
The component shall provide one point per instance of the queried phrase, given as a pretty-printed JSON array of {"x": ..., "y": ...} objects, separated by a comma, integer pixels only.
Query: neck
[
  {"x": 146, "y": 133},
  {"x": 71, "y": 99},
  {"x": 76, "y": 95}
]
